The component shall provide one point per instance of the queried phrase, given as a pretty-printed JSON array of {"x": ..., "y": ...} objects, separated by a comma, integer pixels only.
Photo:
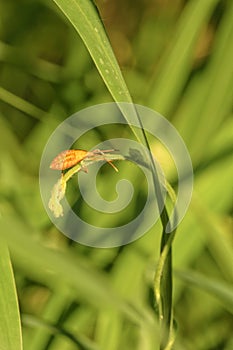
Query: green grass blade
[
  {"x": 209, "y": 96},
  {"x": 10, "y": 329},
  {"x": 38, "y": 262},
  {"x": 163, "y": 288},
  {"x": 221, "y": 290},
  {"x": 84, "y": 17},
  {"x": 216, "y": 235},
  {"x": 82, "y": 342},
  {"x": 178, "y": 63},
  {"x": 218, "y": 85},
  {"x": 21, "y": 104}
]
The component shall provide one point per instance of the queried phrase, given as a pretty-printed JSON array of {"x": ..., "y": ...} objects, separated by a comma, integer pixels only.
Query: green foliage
[
  {"x": 176, "y": 57},
  {"x": 10, "y": 328}
]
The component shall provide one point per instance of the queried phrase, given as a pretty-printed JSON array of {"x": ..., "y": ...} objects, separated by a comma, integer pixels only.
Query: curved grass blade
[
  {"x": 80, "y": 341},
  {"x": 84, "y": 17}
]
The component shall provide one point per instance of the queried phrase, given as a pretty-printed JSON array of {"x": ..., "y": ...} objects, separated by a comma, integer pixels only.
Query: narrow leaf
[
  {"x": 85, "y": 18},
  {"x": 220, "y": 290},
  {"x": 10, "y": 329}
]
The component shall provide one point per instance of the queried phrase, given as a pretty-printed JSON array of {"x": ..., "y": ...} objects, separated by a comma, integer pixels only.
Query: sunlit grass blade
[
  {"x": 10, "y": 328},
  {"x": 84, "y": 17},
  {"x": 217, "y": 98},
  {"x": 38, "y": 262},
  {"x": 209, "y": 96},
  {"x": 219, "y": 289},
  {"x": 21, "y": 104},
  {"x": 80, "y": 341},
  {"x": 178, "y": 62}
]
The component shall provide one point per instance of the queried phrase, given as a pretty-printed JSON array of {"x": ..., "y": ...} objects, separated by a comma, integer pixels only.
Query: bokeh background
[{"x": 176, "y": 57}]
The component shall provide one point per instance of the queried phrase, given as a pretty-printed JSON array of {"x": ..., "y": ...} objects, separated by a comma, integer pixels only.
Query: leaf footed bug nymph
[{"x": 69, "y": 158}]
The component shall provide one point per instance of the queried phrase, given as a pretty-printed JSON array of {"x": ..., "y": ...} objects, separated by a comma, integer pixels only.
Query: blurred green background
[{"x": 176, "y": 57}]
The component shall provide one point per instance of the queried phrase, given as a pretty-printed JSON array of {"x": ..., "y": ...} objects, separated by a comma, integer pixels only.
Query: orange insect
[{"x": 71, "y": 157}]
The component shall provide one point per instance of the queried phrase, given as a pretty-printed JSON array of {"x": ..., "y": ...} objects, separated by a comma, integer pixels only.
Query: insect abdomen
[{"x": 67, "y": 159}]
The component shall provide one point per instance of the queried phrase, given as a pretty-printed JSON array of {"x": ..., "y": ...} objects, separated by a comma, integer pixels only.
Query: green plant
[{"x": 78, "y": 297}]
